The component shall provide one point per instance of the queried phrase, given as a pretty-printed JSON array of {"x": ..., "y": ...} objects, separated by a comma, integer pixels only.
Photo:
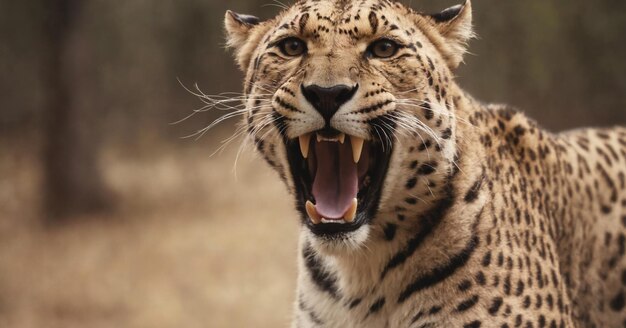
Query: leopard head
[{"x": 350, "y": 102}]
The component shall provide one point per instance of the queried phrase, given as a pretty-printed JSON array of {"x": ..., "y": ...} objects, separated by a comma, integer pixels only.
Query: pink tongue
[{"x": 336, "y": 181}]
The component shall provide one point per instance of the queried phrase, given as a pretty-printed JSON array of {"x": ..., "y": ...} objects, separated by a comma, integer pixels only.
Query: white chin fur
[{"x": 349, "y": 242}]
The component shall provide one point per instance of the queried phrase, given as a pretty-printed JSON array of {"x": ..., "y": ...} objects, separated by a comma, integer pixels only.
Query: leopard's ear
[
  {"x": 242, "y": 34},
  {"x": 238, "y": 28},
  {"x": 455, "y": 25}
]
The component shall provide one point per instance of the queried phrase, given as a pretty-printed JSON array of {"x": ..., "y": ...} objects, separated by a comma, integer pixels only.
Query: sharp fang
[
  {"x": 357, "y": 148},
  {"x": 351, "y": 212},
  {"x": 312, "y": 212},
  {"x": 342, "y": 138},
  {"x": 305, "y": 141},
  {"x": 319, "y": 137}
]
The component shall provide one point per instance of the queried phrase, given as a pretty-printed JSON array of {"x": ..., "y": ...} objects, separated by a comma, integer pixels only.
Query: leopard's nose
[{"x": 327, "y": 101}]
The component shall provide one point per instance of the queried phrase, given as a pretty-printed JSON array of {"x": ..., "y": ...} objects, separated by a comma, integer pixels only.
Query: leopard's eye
[
  {"x": 383, "y": 48},
  {"x": 292, "y": 47}
]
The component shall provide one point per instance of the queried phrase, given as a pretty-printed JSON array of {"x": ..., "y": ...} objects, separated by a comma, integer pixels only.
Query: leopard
[{"x": 418, "y": 205}]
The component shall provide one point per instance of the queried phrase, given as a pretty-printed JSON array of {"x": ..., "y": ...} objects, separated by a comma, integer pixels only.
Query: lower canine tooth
[
  {"x": 305, "y": 141},
  {"x": 312, "y": 212},
  {"x": 351, "y": 212},
  {"x": 357, "y": 148}
]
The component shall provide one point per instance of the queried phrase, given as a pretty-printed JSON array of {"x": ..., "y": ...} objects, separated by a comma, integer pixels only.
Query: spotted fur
[{"x": 485, "y": 219}]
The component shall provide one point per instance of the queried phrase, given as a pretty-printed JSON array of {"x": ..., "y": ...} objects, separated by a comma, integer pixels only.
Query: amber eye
[
  {"x": 292, "y": 47},
  {"x": 383, "y": 48}
]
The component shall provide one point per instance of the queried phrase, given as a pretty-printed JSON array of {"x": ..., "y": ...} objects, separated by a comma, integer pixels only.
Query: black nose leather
[{"x": 328, "y": 100}]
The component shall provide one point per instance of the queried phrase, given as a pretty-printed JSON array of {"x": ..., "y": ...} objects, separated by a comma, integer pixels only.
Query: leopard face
[{"x": 348, "y": 101}]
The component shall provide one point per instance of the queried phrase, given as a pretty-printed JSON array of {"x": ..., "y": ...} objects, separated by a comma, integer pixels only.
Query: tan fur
[
  {"x": 485, "y": 220},
  {"x": 451, "y": 37}
]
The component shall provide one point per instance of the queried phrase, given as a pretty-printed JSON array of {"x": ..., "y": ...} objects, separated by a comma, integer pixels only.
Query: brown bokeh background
[{"x": 109, "y": 218}]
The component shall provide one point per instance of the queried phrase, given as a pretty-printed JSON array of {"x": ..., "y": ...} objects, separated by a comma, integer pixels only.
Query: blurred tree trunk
[{"x": 73, "y": 181}]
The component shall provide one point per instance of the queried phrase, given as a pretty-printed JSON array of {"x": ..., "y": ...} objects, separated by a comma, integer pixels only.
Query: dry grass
[{"x": 192, "y": 246}]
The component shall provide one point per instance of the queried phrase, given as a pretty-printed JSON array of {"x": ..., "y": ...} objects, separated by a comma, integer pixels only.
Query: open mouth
[{"x": 338, "y": 179}]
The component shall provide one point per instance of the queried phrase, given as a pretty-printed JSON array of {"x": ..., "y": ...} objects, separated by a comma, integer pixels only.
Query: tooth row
[
  {"x": 315, "y": 218},
  {"x": 357, "y": 145},
  {"x": 325, "y": 221}
]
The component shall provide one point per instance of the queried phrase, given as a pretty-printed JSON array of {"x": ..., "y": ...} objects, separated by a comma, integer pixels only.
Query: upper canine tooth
[
  {"x": 357, "y": 148},
  {"x": 351, "y": 212},
  {"x": 342, "y": 138},
  {"x": 312, "y": 212},
  {"x": 305, "y": 141}
]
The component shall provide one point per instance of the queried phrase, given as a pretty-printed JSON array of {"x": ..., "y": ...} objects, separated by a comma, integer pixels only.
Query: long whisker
[
  {"x": 412, "y": 123},
  {"x": 434, "y": 107},
  {"x": 200, "y": 133}
]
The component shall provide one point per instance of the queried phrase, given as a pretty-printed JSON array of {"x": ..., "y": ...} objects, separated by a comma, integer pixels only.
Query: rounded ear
[
  {"x": 242, "y": 34},
  {"x": 455, "y": 26},
  {"x": 238, "y": 28}
]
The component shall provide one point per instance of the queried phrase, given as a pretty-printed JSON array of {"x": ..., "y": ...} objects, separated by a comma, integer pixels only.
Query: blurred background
[{"x": 109, "y": 218}]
